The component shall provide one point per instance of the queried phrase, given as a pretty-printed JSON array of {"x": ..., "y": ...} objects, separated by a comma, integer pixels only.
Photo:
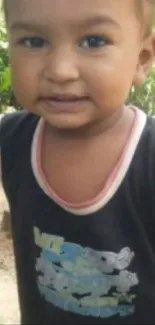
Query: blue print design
[{"x": 84, "y": 281}]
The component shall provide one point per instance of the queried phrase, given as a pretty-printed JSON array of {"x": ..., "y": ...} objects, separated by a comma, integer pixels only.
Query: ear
[{"x": 145, "y": 61}]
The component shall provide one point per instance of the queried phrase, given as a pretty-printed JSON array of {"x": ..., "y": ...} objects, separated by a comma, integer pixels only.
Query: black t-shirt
[{"x": 93, "y": 269}]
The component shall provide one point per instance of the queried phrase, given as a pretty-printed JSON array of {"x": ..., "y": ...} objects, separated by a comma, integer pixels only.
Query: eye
[
  {"x": 93, "y": 41},
  {"x": 32, "y": 42}
]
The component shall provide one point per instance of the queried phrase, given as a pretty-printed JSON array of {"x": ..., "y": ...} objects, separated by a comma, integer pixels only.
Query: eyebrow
[
  {"x": 99, "y": 20},
  {"x": 85, "y": 23},
  {"x": 26, "y": 26}
]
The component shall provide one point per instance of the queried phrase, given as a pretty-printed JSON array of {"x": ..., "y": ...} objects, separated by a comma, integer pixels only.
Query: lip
[{"x": 65, "y": 103}]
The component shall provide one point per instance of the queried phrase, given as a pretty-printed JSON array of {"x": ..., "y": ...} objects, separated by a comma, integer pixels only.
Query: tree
[{"x": 5, "y": 89}]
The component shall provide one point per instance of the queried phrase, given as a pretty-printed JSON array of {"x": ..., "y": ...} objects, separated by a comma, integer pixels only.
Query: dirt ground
[{"x": 9, "y": 309}]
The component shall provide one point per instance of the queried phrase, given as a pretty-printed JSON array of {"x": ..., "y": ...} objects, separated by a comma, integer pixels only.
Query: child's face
[{"x": 74, "y": 61}]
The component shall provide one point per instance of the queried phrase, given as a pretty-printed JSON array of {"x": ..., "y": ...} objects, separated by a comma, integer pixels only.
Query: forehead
[{"x": 67, "y": 11}]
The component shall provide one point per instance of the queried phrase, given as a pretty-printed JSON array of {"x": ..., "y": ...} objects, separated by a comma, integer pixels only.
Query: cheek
[
  {"x": 24, "y": 78},
  {"x": 109, "y": 80}
]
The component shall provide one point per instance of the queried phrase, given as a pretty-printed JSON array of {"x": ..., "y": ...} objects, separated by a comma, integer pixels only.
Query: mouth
[{"x": 65, "y": 102}]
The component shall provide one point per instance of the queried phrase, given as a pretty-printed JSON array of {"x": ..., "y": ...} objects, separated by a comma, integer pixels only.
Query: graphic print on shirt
[{"x": 85, "y": 281}]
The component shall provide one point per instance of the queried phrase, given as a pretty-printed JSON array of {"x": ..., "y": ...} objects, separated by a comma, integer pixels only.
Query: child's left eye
[
  {"x": 32, "y": 42},
  {"x": 93, "y": 41}
]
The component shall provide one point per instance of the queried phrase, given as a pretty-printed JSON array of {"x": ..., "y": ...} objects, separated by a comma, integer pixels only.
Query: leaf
[{"x": 5, "y": 79}]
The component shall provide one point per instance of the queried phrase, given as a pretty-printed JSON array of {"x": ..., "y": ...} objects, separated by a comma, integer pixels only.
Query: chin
[{"x": 67, "y": 122}]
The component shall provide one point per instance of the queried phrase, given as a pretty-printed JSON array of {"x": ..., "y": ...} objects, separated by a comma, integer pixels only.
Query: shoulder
[
  {"x": 16, "y": 134},
  {"x": 16, "y": 124},
  {"x": 143, "y": 162},
  {"x": 144, "y": 128},
  {"x": 148, "y": 135}
]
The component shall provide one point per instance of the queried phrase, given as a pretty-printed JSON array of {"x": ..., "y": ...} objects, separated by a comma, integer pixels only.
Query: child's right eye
[{"x": 32, "y": 42}]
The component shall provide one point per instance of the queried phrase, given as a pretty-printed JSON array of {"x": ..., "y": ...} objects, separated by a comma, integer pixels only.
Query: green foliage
[
  {"x": 144, "y": 96},
  {"x": 5, "y": 89}
]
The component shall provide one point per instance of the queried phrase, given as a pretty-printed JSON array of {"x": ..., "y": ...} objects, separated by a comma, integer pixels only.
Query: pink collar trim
[{"x": 113, "y": 181}]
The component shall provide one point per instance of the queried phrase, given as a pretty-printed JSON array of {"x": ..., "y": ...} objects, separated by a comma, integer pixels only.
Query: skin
[
  {"x": 104, "y": 74},
  {"x": 67, "y": 63}
]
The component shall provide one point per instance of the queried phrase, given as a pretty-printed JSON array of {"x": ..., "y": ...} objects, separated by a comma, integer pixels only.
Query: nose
[{"x": 61, "y": 66}]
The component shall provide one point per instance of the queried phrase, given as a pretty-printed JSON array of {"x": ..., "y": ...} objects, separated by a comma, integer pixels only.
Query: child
[{"x": 78, "y": 165}]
